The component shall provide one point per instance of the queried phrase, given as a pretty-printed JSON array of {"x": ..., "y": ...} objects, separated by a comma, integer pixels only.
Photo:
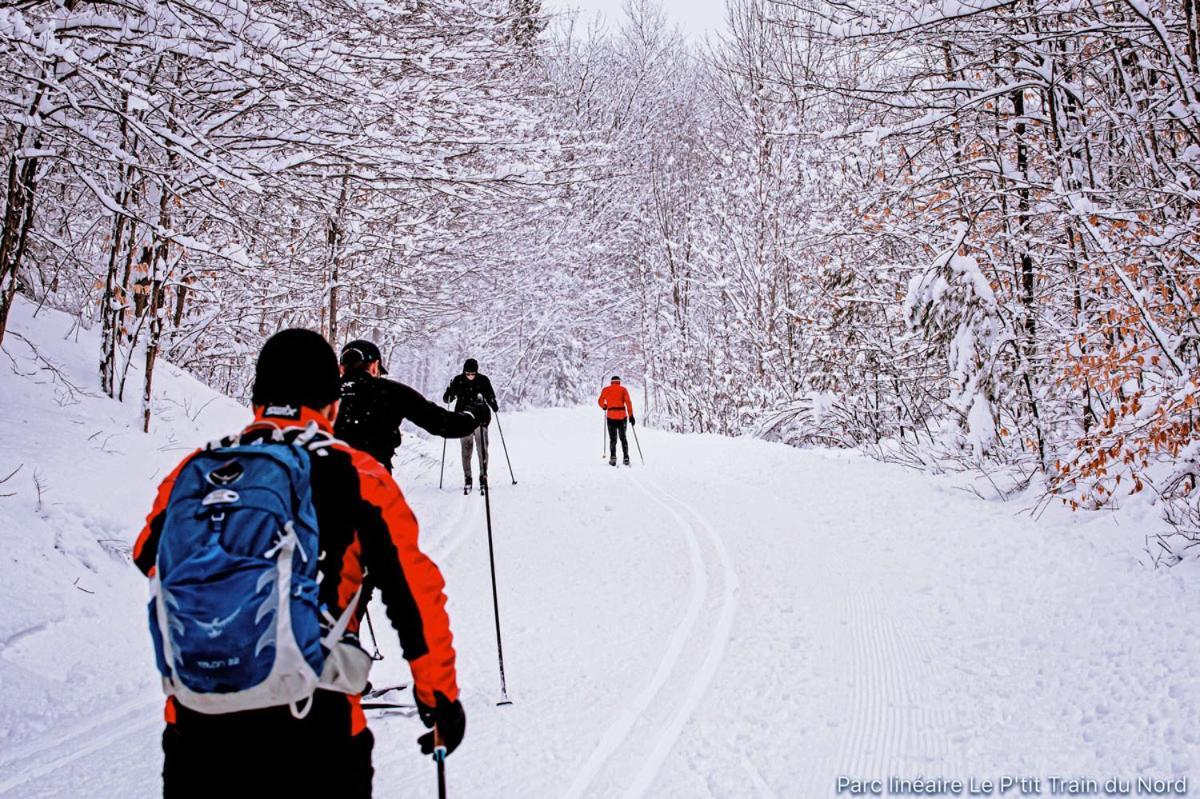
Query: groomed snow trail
[
  {"x": 709, "y": 564},
  {"x": 733, "y": 619},
  {"x": 742, "y": 619},
  {"x": 52, "y": 755}
]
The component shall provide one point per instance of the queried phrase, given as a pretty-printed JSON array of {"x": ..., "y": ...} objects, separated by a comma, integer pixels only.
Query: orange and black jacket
[
  {"x": 369, "y": 538},
  {"x": 615, "y": 399}
]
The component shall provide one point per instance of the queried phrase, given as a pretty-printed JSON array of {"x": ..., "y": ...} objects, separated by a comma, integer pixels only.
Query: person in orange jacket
[
  {"x": 367, "y": 537},
  {"x": 618, "y": 407}
]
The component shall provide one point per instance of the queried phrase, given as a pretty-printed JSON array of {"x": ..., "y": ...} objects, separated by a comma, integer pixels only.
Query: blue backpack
[{"x": 234, "y": 612}]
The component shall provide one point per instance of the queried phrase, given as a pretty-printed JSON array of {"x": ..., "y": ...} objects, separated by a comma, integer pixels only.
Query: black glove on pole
[
  {"x": 480, "y": 410},
  {"x": 446, "y": 719}
]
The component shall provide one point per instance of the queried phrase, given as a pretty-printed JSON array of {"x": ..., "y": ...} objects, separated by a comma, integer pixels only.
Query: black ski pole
[
  {"x": 376, "y": 655},
  {"x": 500, "y": 427},
  {"x": 487, "y": 503},
  {"x": 442, "y": 477},
  {"x": 633, "y": 427},
  {"x": 439, "y": 754}
]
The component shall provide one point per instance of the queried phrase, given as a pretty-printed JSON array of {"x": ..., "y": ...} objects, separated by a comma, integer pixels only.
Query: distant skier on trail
[
  {"x": 373, "y": 407},
  {"x": 467, "y": 388},
  {"x": 263, "y": 550},
  {"x": 618, "y": 406}
]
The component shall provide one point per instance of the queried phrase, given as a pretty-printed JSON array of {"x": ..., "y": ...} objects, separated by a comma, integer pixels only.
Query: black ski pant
[
  {"x": 616, "y": 427},
  {"x": 261, "y": 753}
]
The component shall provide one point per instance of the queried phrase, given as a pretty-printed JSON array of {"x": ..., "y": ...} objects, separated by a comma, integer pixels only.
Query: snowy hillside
[
  {"x": 73, "y": 643},
  {"x": 736, "y": 618}
]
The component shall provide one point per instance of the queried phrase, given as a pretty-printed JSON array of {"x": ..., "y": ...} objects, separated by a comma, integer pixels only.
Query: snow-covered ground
[{"x": 736, "y": 618}]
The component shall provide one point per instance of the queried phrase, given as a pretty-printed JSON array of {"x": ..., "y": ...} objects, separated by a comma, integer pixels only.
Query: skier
[
  {"x": 617, "y": 405},
  {"x": 224, "y": 736},
  {"x": 467, "y": 388},
  {"x": 373, "y": 407}
]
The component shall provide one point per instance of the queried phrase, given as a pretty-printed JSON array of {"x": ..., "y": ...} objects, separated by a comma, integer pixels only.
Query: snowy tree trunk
[
  {"x": 21, "y": 190},
  {"x": 1027, "y": 276},
  {"x": 112, "y": 303},
  {"x": 160, "y": 265},
  {"x": 109, "y": 313},
  {"x": 155, "y": 311},
  {"x": 181, "y": 295},
  {"x": 335, "y": 237},
  {"x": 1191, "y": 13},
  {"x": 18, "y": 219}
]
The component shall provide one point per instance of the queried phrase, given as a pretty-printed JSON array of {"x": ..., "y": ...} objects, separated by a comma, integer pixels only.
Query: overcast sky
[{"x": 696, "y": 17}]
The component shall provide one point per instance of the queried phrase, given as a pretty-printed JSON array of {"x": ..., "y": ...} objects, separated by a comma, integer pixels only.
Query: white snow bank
[{"x": 83, "y": 476}]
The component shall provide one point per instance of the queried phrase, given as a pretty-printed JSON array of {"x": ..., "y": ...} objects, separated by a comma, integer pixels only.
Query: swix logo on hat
[{"x": 283, "y": 411}]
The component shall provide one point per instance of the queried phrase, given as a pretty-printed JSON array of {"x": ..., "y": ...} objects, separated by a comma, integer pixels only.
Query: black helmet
[{"x": 360, "y": 353}]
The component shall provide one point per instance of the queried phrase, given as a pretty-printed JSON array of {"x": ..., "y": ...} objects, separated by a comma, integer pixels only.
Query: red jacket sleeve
[
  {"x": 411, "y": 584},
  {"x": 628, "y": 400},
  {"x": 145, "y": 548}
]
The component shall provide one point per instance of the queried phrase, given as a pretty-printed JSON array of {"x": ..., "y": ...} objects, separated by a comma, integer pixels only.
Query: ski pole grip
[{"x": 439, "y": 746}]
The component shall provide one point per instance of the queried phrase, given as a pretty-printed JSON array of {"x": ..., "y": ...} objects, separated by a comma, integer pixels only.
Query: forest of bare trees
[{"x": 949, "y": 232}]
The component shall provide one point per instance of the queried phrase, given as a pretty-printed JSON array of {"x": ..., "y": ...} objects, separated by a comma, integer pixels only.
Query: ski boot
[
  {"x": 626, "y": 461},
  {"x": 483, "y": 488},
  {"x": 612, "y": 460},
  {"x": 467, "y": 486}
]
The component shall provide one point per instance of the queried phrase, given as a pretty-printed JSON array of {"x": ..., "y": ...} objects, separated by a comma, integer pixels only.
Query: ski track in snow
[
  {"x": 710, "y": 563},
  {"x": 31, "y": 761},
  {"x": 892, "y": 717},
  {"x": 446, "y": 534},
  {"x": 716, "y": 646},
  {"x": 456, "y": 531}
]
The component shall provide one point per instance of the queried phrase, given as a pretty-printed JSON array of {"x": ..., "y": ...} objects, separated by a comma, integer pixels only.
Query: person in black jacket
[
  {"x": 469, "y": 390},
  {"x": 373, "y": 407}
]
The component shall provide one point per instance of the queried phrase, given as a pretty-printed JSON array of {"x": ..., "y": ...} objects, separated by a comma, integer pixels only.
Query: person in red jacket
[
  {"x": 618, "y": 407},
  {"x": 368, "y": 538}
]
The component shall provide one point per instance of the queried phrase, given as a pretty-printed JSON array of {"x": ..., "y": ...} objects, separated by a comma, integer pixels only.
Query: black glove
[
  {"x": 480, "y": 410},
  {"x": 495, "y": 405},
  {"x": 632, "y": 421},
  {"x": 450, "y": 719}
]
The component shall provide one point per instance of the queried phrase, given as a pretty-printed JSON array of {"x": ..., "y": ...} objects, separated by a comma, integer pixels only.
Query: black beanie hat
[
  {"x": 296, "y": 367},
  {"x": 471, "y": 365}
]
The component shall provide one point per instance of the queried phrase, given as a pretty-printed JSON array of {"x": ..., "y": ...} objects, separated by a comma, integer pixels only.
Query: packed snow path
[{"x": 738, "y": 618}]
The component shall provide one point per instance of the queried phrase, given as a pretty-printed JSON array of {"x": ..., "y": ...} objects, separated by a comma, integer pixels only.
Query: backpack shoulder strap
[{"x": 312, "y": 438}]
